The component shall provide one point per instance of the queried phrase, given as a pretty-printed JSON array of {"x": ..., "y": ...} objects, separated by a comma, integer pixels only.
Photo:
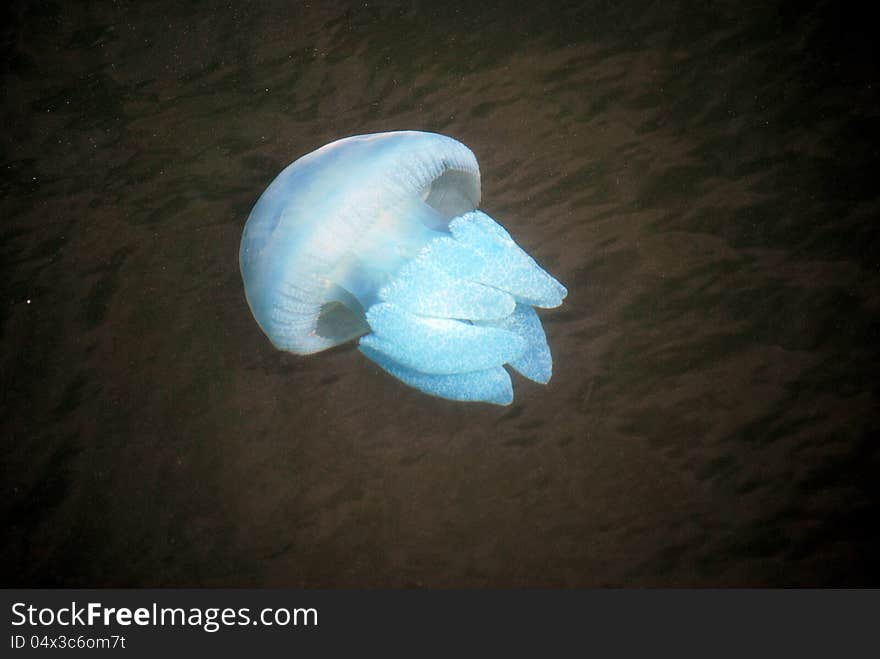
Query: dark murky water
[{"x": 702, "y": 177}]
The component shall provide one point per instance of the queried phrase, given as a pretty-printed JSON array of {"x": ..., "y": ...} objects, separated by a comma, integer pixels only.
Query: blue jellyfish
[{"x": 378, "y": 237}]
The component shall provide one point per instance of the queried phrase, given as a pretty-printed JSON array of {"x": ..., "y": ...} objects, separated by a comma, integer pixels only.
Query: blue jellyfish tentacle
[
  {"x": 463, "y": 306},
  {"x": 535, "y": 362},
  {"x": 491, "y": 385},
  {"x": 504, "y": 263},
  {"x": 439, "y": 346},
  {"x": 423, "y": 288}
]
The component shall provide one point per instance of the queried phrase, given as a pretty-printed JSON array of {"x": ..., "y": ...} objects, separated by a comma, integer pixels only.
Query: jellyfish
[{"x": 379, "y": 237}]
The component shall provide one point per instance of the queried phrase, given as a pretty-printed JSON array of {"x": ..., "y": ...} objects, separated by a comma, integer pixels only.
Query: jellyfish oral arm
[{"x": 463, "y": 307}]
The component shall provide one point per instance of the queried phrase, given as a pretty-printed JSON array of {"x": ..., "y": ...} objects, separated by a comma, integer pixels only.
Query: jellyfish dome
[{"x": 379, "y": 237}]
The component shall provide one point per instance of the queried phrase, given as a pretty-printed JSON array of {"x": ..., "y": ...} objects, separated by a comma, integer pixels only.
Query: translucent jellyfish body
[{"x": 378, "y": 236}]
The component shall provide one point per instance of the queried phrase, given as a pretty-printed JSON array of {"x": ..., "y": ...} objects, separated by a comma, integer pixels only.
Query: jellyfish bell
[{"x": 377, "y": 236}]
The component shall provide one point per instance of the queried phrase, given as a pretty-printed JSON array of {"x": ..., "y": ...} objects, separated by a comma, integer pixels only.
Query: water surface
[{"x": 703, "y": 178}]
